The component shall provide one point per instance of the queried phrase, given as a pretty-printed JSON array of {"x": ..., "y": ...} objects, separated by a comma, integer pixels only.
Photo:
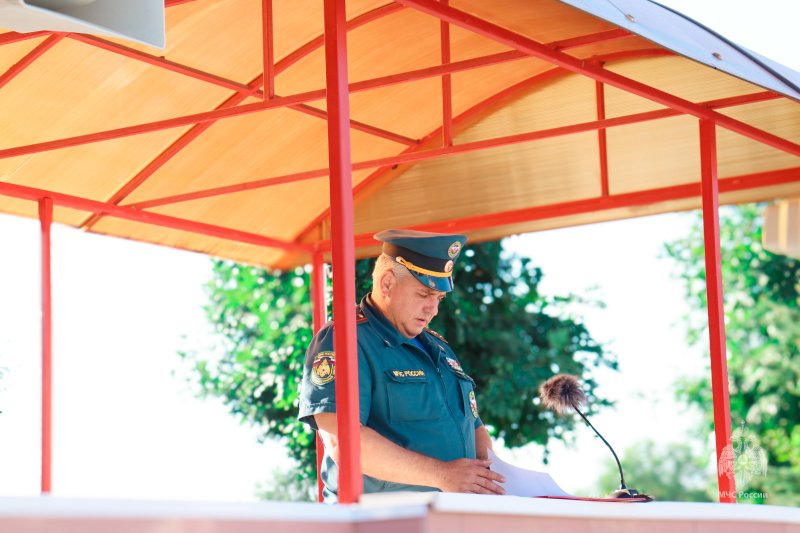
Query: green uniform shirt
[{"x": 421, "y": 401}]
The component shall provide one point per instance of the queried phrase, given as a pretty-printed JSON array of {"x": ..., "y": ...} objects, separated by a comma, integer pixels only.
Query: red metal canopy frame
[{"x": 343, "y": 242}]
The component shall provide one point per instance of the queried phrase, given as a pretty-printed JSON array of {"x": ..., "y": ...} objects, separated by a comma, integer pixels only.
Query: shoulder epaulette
[{"x": 436, "y": 334}]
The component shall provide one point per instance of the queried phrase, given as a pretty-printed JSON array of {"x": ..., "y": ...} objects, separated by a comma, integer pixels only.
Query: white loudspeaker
[{"x": 141, "y": 21}]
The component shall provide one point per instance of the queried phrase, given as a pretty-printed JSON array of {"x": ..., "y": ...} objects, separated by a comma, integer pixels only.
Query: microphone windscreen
[{"x": 561, "y": 392}]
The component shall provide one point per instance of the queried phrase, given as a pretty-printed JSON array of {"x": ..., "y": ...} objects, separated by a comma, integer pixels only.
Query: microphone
[{"x": 561, "y": 393}]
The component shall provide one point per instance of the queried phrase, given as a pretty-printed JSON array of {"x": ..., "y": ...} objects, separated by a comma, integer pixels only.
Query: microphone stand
[{"x": 623, "y": 491}]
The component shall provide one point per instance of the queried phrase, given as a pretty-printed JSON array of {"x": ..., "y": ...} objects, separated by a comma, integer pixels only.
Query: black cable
[{"x": 621, "y": 477}]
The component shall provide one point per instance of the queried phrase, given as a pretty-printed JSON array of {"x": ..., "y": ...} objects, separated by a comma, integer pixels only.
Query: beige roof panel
[{"x": 188, "y": 135}]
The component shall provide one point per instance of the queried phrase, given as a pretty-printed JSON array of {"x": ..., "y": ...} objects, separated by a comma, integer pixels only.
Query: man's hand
[
  {"x": 383, "y": 459},
  {"x": 469, "y": 475}
]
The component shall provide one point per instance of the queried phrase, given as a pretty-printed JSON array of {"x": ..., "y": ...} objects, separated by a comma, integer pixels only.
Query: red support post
[
  {"x": 716, "y": 312},
  {"x": 343, "y": 251},
  {"x": 46, "y": 220},
  {"x": 319, "y": 314}
]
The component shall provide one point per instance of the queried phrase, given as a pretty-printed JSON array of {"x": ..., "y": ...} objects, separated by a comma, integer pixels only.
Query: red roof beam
[
  {"x": 162, "y": 159},
  {"x": 447, "y": 85},
  {"x": 268, "y": 51},
  {"x": 412, "y": 155},
  {"x": 171, "y": 3},
  {"x": 442, "y": 70},
  {"x": 248, "y": 108},
  {"x": 246, "y": 90},
  {"x": 594, "y": 38},
  {"x": 149, "y": 127},
  {"x": 577, "y": 207},
  {"x": 162, "y": 62},
  {"x": 724, "y": 121},
  {"x": 11, "y": 37},
  {"x": 135, "y": 215},
  {"x": 231, "y": 189},
  {"x": 269, "y": 60},
  {"x": 360, "y": 126},
  {"x": 600, "y": 96},
  {"x": 477, "y": 62},
  {"x": 17, "y": 68},
  {"x": 480, "y": 106},
  {"x": 319, "y": 40},
  {"x": 578, "y": 66}
]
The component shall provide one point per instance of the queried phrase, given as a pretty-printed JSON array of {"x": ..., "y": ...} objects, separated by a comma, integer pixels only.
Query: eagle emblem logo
[
  {"x": 324, "y": 368},
  {"x": 454, "y": 249}
]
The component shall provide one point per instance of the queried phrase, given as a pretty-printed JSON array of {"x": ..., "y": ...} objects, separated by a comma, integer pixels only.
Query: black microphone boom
[{"x": 561, "y": 393}]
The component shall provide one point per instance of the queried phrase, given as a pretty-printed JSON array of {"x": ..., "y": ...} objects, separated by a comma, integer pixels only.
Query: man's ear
[{"x": 387, "y": 282}]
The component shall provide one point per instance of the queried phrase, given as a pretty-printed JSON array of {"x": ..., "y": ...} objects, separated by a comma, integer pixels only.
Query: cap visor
[{"x": 432, "y": 282}]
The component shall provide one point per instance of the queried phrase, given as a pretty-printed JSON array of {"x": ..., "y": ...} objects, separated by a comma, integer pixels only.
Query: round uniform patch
[
  {"x": 454, "y": 249},
  {"x": 448, "y": 267},
  {"x": 473, "y": 404},
  {"x": 324, "y": 369}
]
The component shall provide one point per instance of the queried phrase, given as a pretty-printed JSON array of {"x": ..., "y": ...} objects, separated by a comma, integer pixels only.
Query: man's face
[{"x": 410, "y": 305}]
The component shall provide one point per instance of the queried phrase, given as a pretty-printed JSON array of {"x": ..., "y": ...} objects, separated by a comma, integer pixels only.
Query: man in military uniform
[{"x": 420, "y": 428}]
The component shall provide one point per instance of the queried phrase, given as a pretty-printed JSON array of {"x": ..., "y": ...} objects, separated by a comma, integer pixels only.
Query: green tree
[
  {"x": 670, "y": 472},
  {"x": 508, "y": 337},
  {"x": 290, "y": 484},
  {"x": 763, "y": 340}
]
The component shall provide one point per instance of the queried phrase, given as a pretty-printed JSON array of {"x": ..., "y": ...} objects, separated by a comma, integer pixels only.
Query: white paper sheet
[{"x": 522, "y": 482}]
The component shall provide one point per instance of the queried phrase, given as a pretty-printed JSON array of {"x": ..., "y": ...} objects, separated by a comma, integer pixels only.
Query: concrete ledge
[
  {"x": 516, "y": 506},
  {"x": 54, "y": 507}
]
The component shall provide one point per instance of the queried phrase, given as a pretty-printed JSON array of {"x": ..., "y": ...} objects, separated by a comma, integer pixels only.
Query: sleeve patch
[
  {"x": 324, "y": 368},
  {"x": 473, "y": 404}
]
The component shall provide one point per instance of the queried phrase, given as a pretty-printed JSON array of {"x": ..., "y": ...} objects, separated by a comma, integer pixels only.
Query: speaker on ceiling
[{"x": 141, "y": 21}]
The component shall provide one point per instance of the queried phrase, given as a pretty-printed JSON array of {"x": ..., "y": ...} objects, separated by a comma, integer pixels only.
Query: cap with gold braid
[{"x": 430, "y": 257}]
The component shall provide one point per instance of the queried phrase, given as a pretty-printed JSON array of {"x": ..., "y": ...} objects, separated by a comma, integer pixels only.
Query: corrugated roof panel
[{"x": 688, "y": 38}]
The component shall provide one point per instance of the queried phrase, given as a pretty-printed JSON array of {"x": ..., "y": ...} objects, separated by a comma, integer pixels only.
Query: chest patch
[
  {"x": 454, "y": 365},
  {"x": 408, "y": 373},
  {"x": 324, "y": 368}
]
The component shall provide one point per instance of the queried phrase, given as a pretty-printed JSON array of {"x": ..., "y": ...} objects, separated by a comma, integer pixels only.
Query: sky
[{"x": 127, "y": 425}]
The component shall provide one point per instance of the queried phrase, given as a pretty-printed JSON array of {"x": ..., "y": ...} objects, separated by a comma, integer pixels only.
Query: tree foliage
[
  {"x": 762, "y": 314},
  {"x": 508, "y": 337}
]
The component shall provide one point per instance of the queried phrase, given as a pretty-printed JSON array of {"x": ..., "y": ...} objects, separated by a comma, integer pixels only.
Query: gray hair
[{"x": 385, "y": 263}]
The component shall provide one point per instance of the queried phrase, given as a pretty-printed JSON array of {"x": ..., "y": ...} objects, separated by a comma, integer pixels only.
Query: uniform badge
[
  {"x": 454, "y": 365},
  {"x": 324, "y": 368},
  {"x": 408, "y": 373},
  {"x": 454, "y": 249},
  {"x": 473, "y": 404},
  {"x": 448, "y": 267}
]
